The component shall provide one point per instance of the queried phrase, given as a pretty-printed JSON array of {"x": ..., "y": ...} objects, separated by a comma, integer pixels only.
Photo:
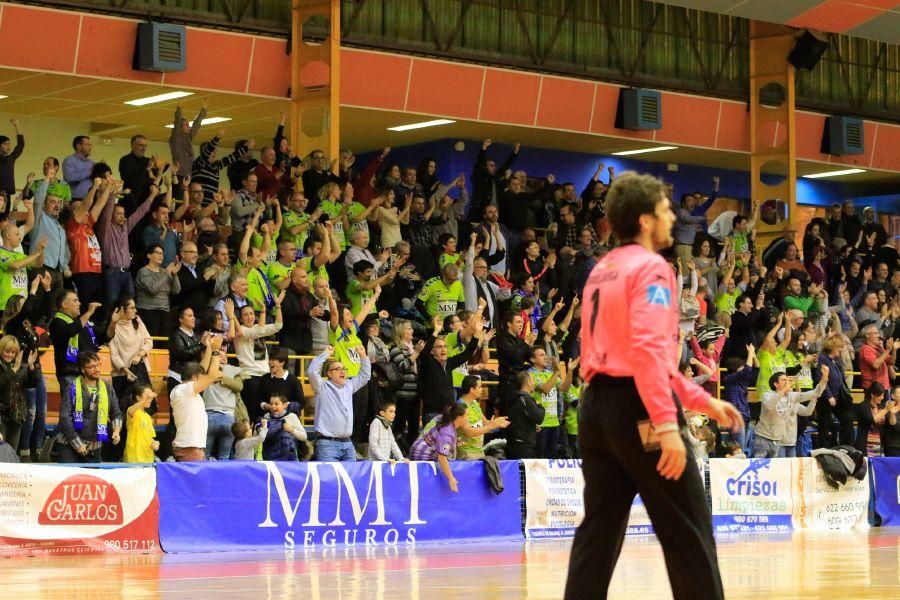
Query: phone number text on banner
[
  {"x": 70, "y": 510},
  {"x": 554, "y": 501},
  {"x": 268, "y": 505},
  {"x": 764, "y": 494}
]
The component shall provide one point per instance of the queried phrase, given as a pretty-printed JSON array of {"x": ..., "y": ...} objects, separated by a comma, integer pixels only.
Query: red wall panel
[
  {"x": 373, "y": 79},
  {"x": 565, "y": 104},
  {"x": 500, "y": 87},
  {"x": 39, "y": 39},
  {"x": 443, "y": 88}
]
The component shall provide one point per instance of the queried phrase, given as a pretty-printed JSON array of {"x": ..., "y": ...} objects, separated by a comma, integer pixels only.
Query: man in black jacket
[
  {"x": 196, "y": 289},
  {"x": 133, "y": 170},
  {"x": 71, "y": 334},
  {"x": 487, "y": 180},
  {"x": 745, "y": 323},
  {"x": 525, "y": 415},
  {"x": 436, "y": 370},
  {"x": 512, "y": 356}
]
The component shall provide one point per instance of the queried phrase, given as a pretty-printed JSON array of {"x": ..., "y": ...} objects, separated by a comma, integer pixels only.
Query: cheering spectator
[
  {"x": 439, "y": 439},
  {"x": 154, "y": 284},
  {"x": 77, "y": 167},
  {"x": 181, "y": 141},
  {"x": 251, "y": 350},
  {"x": 382, "y": 444},
  {"x": 334, "y": 403},
  {"x": 487, "y": 180},
  {"x": 141, "y": 442},
  {"x": 89, "y": 414},
  {"x": 221, "y": 400},
  {"x": 283, "y": 430},
  {"x": 776, "y": 431},
  {"x": 525, "y": 417},
  {"x": 8, "y": 157},
  {"x": 188, "y": 409}
]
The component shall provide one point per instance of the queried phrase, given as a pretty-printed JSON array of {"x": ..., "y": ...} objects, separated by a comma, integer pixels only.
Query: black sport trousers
[{"x": 616, "y": 467}]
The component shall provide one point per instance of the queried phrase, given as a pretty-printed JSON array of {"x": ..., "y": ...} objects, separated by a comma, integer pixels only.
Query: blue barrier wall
[
  {"x": 886, "y": 475},
  {"x": 206, "y": 507}
]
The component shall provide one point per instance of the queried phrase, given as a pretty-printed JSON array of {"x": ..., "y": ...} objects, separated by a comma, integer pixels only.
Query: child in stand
[
  {"x": 709, "y": 354},
  {"x": 741, "y": 374},
  {"x": 382, "y": 444},
  {"x": 735, "y": 451},
  {"x": 246, "y": 444},
  {"x": 283, "y": 431},
  {"x": 141, "y": 442}
]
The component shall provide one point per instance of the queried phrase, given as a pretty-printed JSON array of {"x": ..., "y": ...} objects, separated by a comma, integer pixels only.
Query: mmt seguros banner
[{"x": 285, "y": 505}]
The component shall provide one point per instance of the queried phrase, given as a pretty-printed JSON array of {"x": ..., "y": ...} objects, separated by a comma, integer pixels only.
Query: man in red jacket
[{"x": 631, "y": 427}]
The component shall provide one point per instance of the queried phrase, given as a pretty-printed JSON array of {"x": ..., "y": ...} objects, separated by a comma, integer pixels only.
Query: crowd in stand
[{"x": 414, "y": 295}]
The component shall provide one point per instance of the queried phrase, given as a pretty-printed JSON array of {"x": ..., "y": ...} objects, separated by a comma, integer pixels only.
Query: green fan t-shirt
[
  {"x": 549, "y": 400},
  {"x": 13, "y": 282},
  {"x": 769, "y": 364},
  {"x": 441, "y": 299},
  {"x": 357, "y": 295},
  {"x": 291, "y": 219},
  {"x": 345, "y": 343},
  {"x": 471, "y": 447},
  {"x": 570, "y": 399}
]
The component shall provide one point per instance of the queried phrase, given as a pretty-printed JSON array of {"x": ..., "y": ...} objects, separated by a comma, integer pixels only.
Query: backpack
[{"x": 387, "y": 376}]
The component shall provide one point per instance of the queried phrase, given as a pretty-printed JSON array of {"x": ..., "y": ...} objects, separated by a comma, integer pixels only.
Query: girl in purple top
[{"x": 438, "y": 440}]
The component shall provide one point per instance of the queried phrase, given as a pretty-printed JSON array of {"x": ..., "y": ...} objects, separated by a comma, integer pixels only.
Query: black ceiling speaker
[{"x": 808, "y": 50}]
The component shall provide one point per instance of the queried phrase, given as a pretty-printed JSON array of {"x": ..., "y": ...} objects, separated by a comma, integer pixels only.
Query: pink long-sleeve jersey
[{"x": 629, "y": 328}]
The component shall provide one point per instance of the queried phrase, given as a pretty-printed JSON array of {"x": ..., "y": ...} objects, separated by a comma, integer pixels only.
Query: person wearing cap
[
  {"x": 777, "y": 249},
  {"x": 8, "y": 157},
  {"x": 632, "y": 428}
]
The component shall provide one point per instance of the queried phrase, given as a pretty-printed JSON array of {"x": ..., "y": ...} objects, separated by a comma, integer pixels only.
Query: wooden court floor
[{"x": 803, "y": 565}]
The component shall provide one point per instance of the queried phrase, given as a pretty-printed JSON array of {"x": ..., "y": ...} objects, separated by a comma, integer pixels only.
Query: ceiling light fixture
[
  {"x": 645, "y": 150},
  {"x": 421, "y": 125},
  {"x": 2, "y": 96},
  {"x": 159, "y": 98},
  {"x": 834, "y": 173},
  {"x": 209, "y": 121}
]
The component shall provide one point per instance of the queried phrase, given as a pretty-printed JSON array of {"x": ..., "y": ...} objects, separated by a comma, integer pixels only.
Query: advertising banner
[
  {"x": 886, "y": 472},
  {"x": 69, "y": 510},
  {"x": 782, "y": 494},
  {"x": 824, "y": 507},
  {"x": 554, "y": 501},
  {"x": 287, "y": 505},
  {"x": 755, "y": 494}
]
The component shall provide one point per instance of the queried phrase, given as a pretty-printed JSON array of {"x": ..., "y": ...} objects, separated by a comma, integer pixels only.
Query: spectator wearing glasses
[
  {"x": 154, "y": 284},
  {"x": 316, "y": 176},
  {"x": 334, "y": 403}
]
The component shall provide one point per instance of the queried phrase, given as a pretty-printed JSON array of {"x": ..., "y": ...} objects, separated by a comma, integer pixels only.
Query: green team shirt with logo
[
  {"x": 256, "y": 241},
  {"x": 471, "y": 447},
  {"x": 354, "y": 211},
  {"x": 277, "y": 272},
  {"x": 357, "y": 295},
  {"x": 741, "y": 243},
  {"x": 448, "y": 259},
  {"x": 345, "y": 344},
  {"x": 441, "y": 299},
  {"x": 570, "y": 399},
  {"x": 314, "y": 272},
  {"x": 291, "y": 219},
  {"x": 549, "y": 400},
  {"x": 334, "y": 210},
  {"x": 769, "y": 364},
  {"x": 258, "y": 287},
  {"x": 13, "y": 282},
  {"x": 455, "y": 346},
  {"x": 804, "y": 375}
]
